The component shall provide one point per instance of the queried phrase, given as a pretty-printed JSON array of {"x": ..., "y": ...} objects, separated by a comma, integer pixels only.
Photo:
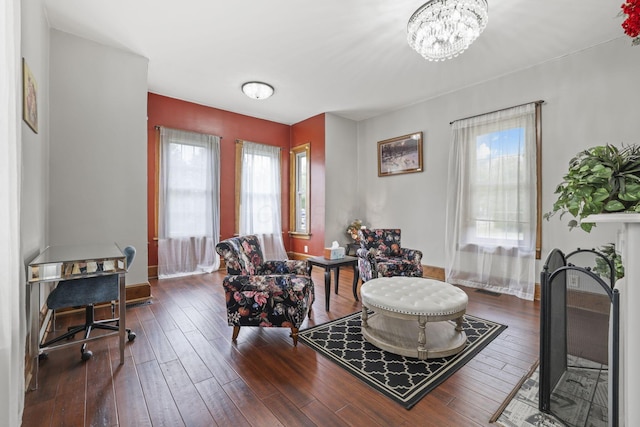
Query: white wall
[
  {"x": 34, "y": 48},
  {"x": 341, "y": 162},
  {"x": 35, "y": 147},
  {"x": 591, "y": 98},
  {"x": 98, "y": 155}
]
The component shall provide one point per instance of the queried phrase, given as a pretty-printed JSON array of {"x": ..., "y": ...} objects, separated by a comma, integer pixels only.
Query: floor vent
[
  {"x": 486, "y": 292},
  {"x": 138, "y": 304}
]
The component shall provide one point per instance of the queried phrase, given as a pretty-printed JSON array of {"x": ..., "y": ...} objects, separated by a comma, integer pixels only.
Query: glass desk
[{"x": 71, "y": 262}]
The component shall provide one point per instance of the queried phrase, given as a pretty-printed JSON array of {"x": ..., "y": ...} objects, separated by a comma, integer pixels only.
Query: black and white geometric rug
[{"x": 403, "y": 379}]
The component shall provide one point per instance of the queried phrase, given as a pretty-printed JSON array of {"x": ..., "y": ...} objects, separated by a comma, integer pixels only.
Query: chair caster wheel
[
  {"x": 131, "y": 336},
  {"x": 86, "y": 355}
]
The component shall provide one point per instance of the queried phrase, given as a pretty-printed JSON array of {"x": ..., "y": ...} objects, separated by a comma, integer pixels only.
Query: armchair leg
[
  {"x": 236, "y": 331},
  {"x": 294, "y": 335}
]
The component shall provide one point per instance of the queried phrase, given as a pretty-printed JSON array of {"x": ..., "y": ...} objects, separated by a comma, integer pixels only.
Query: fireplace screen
[{"x": 579, "y": 339}]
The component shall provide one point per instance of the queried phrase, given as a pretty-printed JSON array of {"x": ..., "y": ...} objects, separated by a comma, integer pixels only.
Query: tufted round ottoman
[{"x": 413, "y": 316}]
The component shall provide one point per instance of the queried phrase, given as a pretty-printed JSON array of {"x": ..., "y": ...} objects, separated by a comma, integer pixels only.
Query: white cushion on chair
[{"x": 413, "y": 295}]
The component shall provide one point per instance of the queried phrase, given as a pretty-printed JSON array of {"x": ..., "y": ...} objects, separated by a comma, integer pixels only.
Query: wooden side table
[{"x": 335, "y": 264}]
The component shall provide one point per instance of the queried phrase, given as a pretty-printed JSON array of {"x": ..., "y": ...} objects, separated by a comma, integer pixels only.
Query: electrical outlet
[
  {"x": 574, "y": 281},
  {"x": 306, "y": 249}
]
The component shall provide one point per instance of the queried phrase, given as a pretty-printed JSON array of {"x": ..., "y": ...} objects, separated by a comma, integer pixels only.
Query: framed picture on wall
[
  {"x": 29, "y": 97},
  {"x": 399, "y": 155}
]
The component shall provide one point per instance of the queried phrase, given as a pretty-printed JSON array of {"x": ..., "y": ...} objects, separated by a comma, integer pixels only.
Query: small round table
[{"x": 413, "y": 316}]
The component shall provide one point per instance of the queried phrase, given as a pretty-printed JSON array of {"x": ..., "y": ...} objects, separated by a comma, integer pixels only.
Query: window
[
  {"x": 259, "y": 198},
  {"x": 499, "y": 189},
  {"x": 299, "y": 185},
  {"x": 188, "y": 202},
  {"x": 493, "y": 201},
  {"x": 502, "y": 182},
  {"x": 188, "y": 191}
]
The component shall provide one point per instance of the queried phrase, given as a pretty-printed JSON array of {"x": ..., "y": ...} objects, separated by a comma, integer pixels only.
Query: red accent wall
[
  {"x": 312, "y": 130},
  {"x": 177, "y": 114}
]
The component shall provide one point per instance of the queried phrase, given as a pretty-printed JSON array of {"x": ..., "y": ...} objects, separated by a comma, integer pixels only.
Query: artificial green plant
[{"x": 600, "y": 179}]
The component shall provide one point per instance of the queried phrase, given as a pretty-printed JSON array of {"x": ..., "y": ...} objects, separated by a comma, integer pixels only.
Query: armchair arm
[
  {"x": 413, "y": 255},
  {"x": 367, "y": 263},
  {"x": 290, "y": 266},
  {"x": 368, "y": 254}
]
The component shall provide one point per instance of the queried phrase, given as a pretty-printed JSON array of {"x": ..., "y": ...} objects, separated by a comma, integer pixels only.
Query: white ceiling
[{"x": 347, "y": 57}]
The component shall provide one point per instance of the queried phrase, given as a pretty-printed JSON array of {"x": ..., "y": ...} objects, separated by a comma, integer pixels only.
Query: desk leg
[
  {"x": 356, "y": 277},
  {"x": 327, "y": 287},
  {"x": 122, "y": 309},
  {"x": 34, "y": 346},
  {"x": 337, "y": 277}
]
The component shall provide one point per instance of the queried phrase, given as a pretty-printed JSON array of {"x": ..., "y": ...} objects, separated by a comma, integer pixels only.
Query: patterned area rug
[{"x": 403, "y": 379}]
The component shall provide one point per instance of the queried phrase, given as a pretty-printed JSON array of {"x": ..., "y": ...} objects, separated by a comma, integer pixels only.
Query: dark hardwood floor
[{"x": 183, "y": 369}]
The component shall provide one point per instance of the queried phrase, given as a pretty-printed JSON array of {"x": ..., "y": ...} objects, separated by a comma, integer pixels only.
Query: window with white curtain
[
  {"x": 498, "y": 213},
  {"x": 300, "y": 189},
  {"x": 189, "y": 200},
  {"x": 493, "y": 216},
  {"x": 259, "y": 207}
]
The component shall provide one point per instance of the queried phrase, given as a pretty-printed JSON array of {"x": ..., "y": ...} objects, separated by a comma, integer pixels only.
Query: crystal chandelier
[
  {"x": 443, "y": 29},
  {"x": 257, "y": 90}
]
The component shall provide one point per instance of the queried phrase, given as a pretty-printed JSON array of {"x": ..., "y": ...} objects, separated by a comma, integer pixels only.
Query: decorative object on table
[
  {"x": 353, "y": 228},
  {"x": 403, "y": 379},
  {"x": 631, "y": 25},
  {"x": 400, "y": 155},
  {"x": 264, "y": 293},
  {"x": 443, "y": 29},
  {"x": 381, "y": 255},
  {"x": 601, "y": 179},
  {"x": 29, "y": 97},
  {"x": 335, "y": 251}
]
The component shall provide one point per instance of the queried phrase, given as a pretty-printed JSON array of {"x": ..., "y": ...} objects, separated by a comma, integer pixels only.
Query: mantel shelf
[{"x": 624, "y": 217}]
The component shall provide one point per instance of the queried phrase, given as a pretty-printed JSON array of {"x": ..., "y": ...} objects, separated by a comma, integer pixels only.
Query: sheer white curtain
[
  {"x": 12, "y": 311},
  {"x": 260, "y": 198},
  {"x": 491, "y": 202},
  {"x": 188, "y": 203}
]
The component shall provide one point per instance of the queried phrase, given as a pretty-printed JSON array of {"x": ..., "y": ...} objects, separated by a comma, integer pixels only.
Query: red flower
[{"x": 631, "y": 25}]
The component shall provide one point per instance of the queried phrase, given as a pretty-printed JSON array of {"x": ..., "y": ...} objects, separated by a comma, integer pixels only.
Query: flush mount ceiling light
[
  {"x": 443, "y": 29},
  {"x": 257, "y": 90}
]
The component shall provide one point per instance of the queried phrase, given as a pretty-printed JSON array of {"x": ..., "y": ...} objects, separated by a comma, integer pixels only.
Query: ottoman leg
[
  {"x": 365, "y": 317},
  {"x": 459, "y": 324},
  {"x": 422, "y": 338}
]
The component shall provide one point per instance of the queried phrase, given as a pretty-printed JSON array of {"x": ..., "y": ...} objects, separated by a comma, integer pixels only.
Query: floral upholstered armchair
[
  {"x": 264, "y": 293},
  {"x": 381, "y": 255}
]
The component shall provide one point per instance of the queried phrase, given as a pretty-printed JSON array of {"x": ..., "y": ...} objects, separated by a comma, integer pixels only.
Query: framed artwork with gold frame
[
  {"x": 399, "y": 155},
  {"x": 29, "y": 97}
]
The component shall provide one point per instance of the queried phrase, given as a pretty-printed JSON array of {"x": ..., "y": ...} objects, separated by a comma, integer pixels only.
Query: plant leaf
[
  {"x": 587, "y": 226},
  {"x": 614, "y": 206},
  {"x": 600, "y": 195}
]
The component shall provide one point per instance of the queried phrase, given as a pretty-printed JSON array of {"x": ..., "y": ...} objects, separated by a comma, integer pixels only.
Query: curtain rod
[
  {"x": 157, "y": 127},
  {"x": 242, "y": 141},
  {"x": 497, "y": 111}
]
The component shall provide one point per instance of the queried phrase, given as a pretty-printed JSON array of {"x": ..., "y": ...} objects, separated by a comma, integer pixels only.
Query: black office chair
[{"x": 88, "y": 292}]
